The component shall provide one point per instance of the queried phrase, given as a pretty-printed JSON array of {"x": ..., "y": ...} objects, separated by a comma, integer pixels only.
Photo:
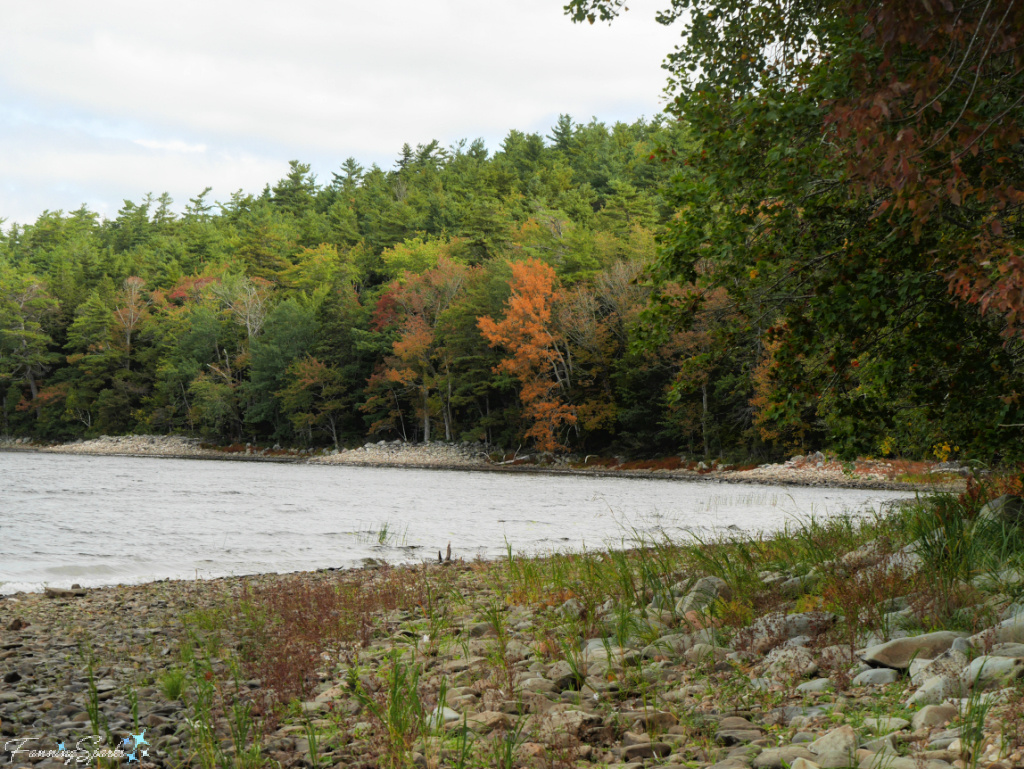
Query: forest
[{"x": 816, "y": 248}]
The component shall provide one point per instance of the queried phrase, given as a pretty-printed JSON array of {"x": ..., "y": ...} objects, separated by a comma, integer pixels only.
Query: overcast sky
[{"x": 111, "y": 99}]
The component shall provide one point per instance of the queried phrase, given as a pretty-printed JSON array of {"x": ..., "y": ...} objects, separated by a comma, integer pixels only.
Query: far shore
[{"x": 810, "y": 471}]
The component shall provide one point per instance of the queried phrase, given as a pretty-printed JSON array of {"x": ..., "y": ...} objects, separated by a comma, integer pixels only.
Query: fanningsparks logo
[{"x": 84, "y": 751}]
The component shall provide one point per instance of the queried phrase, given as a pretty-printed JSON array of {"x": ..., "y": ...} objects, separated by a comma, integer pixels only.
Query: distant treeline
[{"x": 461, "y": 295}]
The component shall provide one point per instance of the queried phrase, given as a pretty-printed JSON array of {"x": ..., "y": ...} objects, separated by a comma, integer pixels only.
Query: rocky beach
[
  {"x": 840, "y": 645},
  {"x": 812, "y": 470}
]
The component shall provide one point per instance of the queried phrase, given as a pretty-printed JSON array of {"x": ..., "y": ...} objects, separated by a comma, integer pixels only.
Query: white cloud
[
  {"x": 207, "y": 83},
  {"x": 174, "y": 145}
]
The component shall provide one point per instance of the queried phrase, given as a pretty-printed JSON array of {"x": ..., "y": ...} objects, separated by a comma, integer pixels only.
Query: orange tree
[{"x": 537, "y": 354}]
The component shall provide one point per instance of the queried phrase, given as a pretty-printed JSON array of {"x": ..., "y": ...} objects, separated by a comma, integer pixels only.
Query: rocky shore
[
  {"x": 811, "y": 470},
  {"x": 834, "y": 648}
]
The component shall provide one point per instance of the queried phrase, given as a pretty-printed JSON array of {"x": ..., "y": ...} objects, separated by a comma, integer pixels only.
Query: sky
[{"x": 112, "y": 99}]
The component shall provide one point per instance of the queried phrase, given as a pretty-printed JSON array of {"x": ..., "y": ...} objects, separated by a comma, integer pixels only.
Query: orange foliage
[{"x": 536, "y": 355}]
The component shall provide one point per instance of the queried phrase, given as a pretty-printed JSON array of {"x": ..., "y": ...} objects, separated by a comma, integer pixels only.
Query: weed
[
  {"x": 311, "y": 738},
  {"x": 397, "y": 708},
  {"x": 172, "y": 683},
  {"x": 973, "y": 712}
]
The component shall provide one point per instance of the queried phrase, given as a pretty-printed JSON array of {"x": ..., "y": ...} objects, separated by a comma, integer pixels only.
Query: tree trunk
[
  {"x": 704, "y": 420},
  {"x": 35, "y": 392},
  {"x": 447, "y": 412},
  {"x": 426, "y": 416}
]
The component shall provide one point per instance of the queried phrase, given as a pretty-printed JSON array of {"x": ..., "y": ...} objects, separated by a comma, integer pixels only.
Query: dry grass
[{"x": 286, "y": 627}]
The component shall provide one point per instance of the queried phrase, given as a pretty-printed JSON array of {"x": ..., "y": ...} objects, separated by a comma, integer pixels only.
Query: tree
[
  {"x": 857, "y": 186},
  {"x": 25, "y": 308},
  {"x": 129, "y": 313},
  {"x": 535, "y": 356},
  {"x": 415, "y": 307}
]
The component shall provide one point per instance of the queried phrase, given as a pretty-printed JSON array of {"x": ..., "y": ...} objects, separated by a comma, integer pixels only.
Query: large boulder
[
  {"x": 775, "y": 629},
  {"x": 1010, "y": 631},
  {"x": 993, "y": 671},
  {"x": 836, "y": 749},
  {"x": 787, "y": 664},
  {"x": 1006, "y": 509},
  {"x": 703, "y": 593},
  {"x": 899, "y": 653},
  {"x": 936, "y": 689}
]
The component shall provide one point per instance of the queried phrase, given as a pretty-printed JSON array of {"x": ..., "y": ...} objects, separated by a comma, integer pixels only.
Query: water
[{"x": 100, "y": 520}]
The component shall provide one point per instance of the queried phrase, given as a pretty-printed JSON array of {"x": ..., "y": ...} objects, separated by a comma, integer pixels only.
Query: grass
[{"x": 294, "y": 633}]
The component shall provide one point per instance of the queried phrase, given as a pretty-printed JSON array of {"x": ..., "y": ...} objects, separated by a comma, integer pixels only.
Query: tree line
[{"x": 515, "y": 297}]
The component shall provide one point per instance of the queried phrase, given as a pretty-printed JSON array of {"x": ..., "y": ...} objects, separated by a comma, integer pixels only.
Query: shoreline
[
  {"x": 451, "y": 457},
  {"x": 761, "y": 696}
]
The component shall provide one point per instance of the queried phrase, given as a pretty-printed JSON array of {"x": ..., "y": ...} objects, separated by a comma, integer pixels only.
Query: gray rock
[
  {"x": 898, "y": 654},
  {"x": 777, "y": 758},
  {"x": 774, "y": 629},
  {"x": 886, "y": 724},
  {"x": 817, "y": 685},
  {"x": 1007, "y": 631},
  {"x": 1007, "y": 650},
  {"x": 935, "y": 690},
  {"x": 669, "y": 645},
  {"x": 797, "y": 586},
  {"x": 836, "y": 749},
  {"x": 885, "y": 744},
  {"x": 1007, "y": 509},
  {"x": 950, "y": 664},
  {"x": 876, "y": 677},
  {"x": 790, "y": 663},
  {"x": 933, "y": 715},
  {"x": 703, "y": 593},
  {"x": 444, "y": 715},
  {"x": 993, "y": 671}
]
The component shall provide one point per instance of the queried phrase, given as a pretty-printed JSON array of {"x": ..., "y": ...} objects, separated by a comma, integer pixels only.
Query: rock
[
  {"x": 777, "y": 758},
  {"x": 949, "y": 664},
  {"x": 651, "y": 720},
  {"x": 876, "y": 677},
  {"x": 790, "y": 663},
  {"x": 480, "y": 629},
  {"x": 888, "y": 761},
  {"x": 836, "y": 749},
  {"x": 1007, "y": 508},
  {"x": 933, "y": 715},
  {"x": 797, "y": 586},
  {"x": 674, "y": 644},
  {"x": 898, "y": 654},
  {"x": 18, "y": 624},
  {"x": 538, "y": 685},
  {"x": 886, "y": 724},
  {"x": 803, "y": 763},
  {"x": 1007, "y": 631},
  {"x": 988, "y": 671},
  {"x": 562, "y": 676},
  {"x": 444, "y": 715},
  {"x": 704, "y": 592},
  {"x": 735, "y": 730},
  {"x": 702, "y": 652},
  {"x": 56, "y": 592},
  {"x": 561, "y": 728},
  {"x": 817, "y": 685},
  {"x": 487, "y": 721},
  {"x": 739, "y": 762},
  {"x": 774, "y": 629},
  {"x": 935, "y": 690},
  {"x": 646, "y": 750}
]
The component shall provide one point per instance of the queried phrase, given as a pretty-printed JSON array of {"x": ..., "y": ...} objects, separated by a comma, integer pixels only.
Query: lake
[{"x": 101, "y": 520}]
